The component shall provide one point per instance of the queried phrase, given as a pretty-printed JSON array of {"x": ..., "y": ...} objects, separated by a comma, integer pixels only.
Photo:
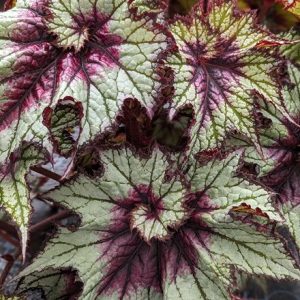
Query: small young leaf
[
  {"x": 64, "y": 124},
  {"x": 156, "y": 7}
]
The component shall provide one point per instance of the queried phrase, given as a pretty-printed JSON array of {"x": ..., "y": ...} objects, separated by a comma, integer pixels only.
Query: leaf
[
  {"x": 62, "y": 284},
  {"x": 280, "y": 139},
  {"x": 275, "y": 140},
  {"x": 2, "y": 297},
  {"x": 217, "y": 192},
  {"x": 289, "y": 195},
  {"x": 279, "y": 167},
  {"x": 141, "y": 131},
  {"x": 14, "y": 190},
  {"x": 119, "y": 195},
  {"x": 217, "y": 67},
  {"x": 136, "y": 123},
  {"x": 292, "y": 51},
  {"x": 64, "y": 124},
  {"x": 292, "y": 6},
  {"x": 154, "y": 7},
  {"x": 143, "y": 234},
  {"x": 97, "y": 53}
]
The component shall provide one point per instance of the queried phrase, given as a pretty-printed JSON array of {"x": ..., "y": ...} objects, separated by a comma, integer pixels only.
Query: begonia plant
[{"x": 167, "y": 145}]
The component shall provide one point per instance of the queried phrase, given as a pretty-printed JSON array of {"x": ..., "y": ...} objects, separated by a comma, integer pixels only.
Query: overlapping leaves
[
  {"x": 148, "y": 235},
  {"x": 98, "y": 52},
  {"x": 151, "y": 229},
  {"x": 279, "y": 167}
]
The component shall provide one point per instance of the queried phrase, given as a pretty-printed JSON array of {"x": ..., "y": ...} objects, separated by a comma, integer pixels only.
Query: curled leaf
[{"x": 64, "y": 124}]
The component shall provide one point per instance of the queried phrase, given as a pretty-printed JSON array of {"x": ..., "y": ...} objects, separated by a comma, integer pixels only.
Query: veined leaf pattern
[
  {"x": 98, "y": 53},
  {"x": 14, "y": 189},
  {"x": 278, "y": 131},
  {"x": 92, "y": 82},
  {"x": 278, "y": 168},
  {"x": 217, "y": 66},
  {"x": 148, "y": 235}
]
